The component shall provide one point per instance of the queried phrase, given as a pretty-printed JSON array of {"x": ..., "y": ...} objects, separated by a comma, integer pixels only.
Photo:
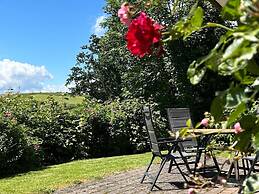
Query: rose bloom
[
  {"x": 237, "y": 128},
  {"x": 124, "y": 15},
  {"x": 143, "y": 33},
  {"x": 205, "y": 122},
  {"x": 191, "y": 191}
]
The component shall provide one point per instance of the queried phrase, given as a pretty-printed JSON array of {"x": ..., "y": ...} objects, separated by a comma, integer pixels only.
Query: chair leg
[
  {"x": 145, "y": 174},
  {"x": 247, "y": 165},
  {"x": 244, "y": 167},
  {"x": 236, "y": 170},
  {"x": 164, "y": 160},
  {"x": 180, "y": 170},
  {"x": 170, "y": 166},
  {"x": 251, "y": 168},
  {"x": 185, "y": 161}
]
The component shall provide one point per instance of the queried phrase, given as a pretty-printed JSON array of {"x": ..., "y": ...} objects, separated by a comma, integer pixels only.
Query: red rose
[{"x": 143, "y": 33}]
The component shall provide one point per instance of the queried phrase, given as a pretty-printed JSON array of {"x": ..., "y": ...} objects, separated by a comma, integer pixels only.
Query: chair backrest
[
  {"x": 177, "y": 118},
  {"x": 151, "y": 132}
]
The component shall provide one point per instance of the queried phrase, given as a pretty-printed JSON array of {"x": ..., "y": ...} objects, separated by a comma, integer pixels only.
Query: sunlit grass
[
  {"x": 63, "y": 175},
  {"x": 60, "y": 97}
]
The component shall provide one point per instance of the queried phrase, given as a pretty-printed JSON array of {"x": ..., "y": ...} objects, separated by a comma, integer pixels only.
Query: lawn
[{"x": 59, "y": 176}]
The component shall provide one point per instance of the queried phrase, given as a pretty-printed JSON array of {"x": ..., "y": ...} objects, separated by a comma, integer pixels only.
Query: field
[{"x": 60, "y": 97}]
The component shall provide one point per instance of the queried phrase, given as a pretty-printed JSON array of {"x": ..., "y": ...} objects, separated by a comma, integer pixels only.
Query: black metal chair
[
  {"x": 178, "y": 118},
  {"x": 251, "y": 162},
  {"x": 156, "y": 151}
]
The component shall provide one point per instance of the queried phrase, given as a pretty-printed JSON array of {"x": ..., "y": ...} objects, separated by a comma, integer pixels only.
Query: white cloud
[
  {"x": 22, "y": 76},
  {"x": 97, "y": 28}
]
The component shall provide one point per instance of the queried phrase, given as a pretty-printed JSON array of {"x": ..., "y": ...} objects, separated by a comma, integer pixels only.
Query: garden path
[{"x": 129, "y": 182}]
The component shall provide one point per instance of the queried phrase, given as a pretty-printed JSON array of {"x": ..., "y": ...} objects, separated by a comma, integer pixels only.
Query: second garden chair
[
  {"x": 177, "y": 118},
  {"x": 171, "y": 155}
]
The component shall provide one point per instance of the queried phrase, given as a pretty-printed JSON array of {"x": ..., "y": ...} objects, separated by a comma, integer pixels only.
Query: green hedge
[{"x": 48, "y": 132}]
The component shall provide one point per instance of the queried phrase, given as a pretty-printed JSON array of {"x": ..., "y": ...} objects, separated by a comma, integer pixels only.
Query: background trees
[{"x": 106, "y": 70}]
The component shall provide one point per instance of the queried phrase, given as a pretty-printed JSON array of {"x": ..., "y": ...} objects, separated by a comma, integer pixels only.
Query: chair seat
[
  {"x": 193, "y": 149},
  {"x": 251, "y": 158},
  {"x": 185, "y": 154}
]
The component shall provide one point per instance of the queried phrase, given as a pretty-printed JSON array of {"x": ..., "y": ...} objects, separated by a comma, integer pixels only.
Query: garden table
[{"x": 203, "y": 137}]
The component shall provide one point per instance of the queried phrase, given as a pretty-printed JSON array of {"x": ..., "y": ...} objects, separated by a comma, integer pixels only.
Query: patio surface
[{"x": 129, "y": 182}]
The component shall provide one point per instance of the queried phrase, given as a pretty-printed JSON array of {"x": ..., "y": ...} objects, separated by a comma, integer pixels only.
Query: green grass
[
  {"x": 60, "y": 97},
  {"x": 63, "y": 175}
]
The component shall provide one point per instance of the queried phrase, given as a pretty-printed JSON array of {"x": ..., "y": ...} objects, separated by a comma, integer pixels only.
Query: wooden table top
[{"x": 211, "y": 131}]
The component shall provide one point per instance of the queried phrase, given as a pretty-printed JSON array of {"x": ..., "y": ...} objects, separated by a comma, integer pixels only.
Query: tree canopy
[{"x": 106, "y": 70}]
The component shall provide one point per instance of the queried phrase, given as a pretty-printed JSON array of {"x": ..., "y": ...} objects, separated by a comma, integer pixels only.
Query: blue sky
[{"x": 39, "y": 40}]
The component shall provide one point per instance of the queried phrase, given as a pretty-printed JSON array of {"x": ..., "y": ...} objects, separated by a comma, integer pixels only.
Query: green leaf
[
  {"x": 251, "y": 184},
  {"x": 196, "y": 72},
  {"x": 236, "y": 113},
  {"x": 244, "y": 140},
  {"x": 256, "y": 83},
  {"x": 197, "y": 18},
  {"x": 230, "y": 66},
  {"x": 214, "y": 60},
  {"x": 197, "y": 125},
  {"x": 189, "y": 123},
  {"x": 231, "y": 10},
  {"x": 193, "y": 8},
  {"x": 256, "y": 140},
  {"x": 234, "y": 96},
  {"x": 234, "y": 48},
  {"x": 183, "y": 132},
  {"x": 217, "y": 107},
  {"x": 253, "y": 67},
  {"x": 241, "y": 49},
  {"x": 240, "y": 75},
  {"x": 248, "y": 80},
  {"x": 247, "y": 122}
]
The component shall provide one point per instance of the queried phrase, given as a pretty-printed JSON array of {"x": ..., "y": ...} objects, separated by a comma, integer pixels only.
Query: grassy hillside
[{"x": 60, "y": 97}]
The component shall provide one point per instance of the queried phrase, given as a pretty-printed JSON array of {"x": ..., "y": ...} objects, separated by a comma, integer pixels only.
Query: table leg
[
  {"x": 230, "y": 170},
  {"x": 216, "y": 163},
  {"x": 198, "y": 157}
]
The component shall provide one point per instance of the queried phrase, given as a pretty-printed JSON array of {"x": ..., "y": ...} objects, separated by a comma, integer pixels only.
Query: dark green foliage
[
  {"x": 15, "y": 152},
  {"x": 48, "y": 132}
]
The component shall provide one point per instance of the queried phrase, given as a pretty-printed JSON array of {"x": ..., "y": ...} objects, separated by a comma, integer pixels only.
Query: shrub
[
  {"x": 50, "y": 132},
  {"x": 15, "y": 152}
]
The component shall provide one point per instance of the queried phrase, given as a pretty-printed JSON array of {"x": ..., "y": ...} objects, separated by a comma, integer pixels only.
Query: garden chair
[
  {"x": 251, "y": 159},
  {"x": 177, "y": 118},
  {"x": 155, "y": 145}
]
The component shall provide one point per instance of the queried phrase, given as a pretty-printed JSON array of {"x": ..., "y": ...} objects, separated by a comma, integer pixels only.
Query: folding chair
[
  {"x": 253, "y": 160},
  {"x": 177, "y": 118},
  {"x": 156, "y": 151}
]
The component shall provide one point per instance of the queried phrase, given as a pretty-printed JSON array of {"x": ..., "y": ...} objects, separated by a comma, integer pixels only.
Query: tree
[{"x": 107, "y": 70}]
